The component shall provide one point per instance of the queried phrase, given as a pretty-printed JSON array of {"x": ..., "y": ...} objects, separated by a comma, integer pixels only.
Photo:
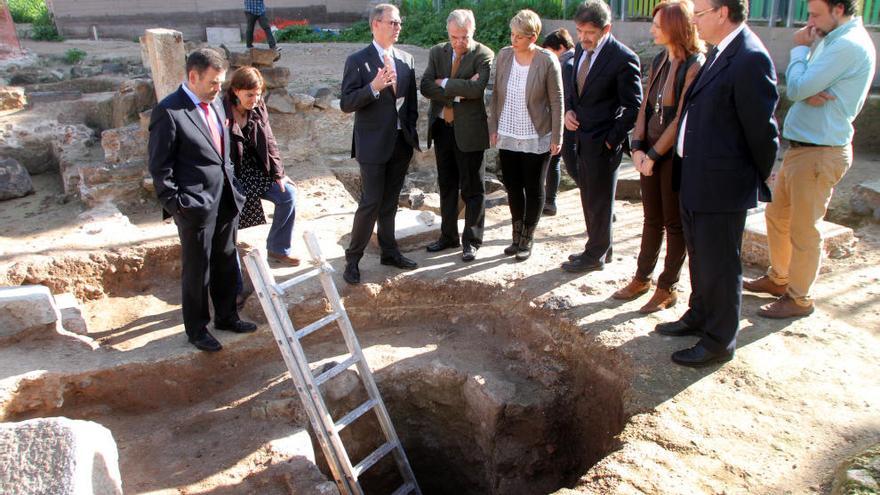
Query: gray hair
[
  {"x": 379, "y": 10},
  {"x": 462, "y": 18},
  {"x": 595, "y": 12}
]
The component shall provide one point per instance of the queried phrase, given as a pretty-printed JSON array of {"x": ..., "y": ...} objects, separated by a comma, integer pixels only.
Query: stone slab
[
  {"x": 71, "y": 313},
  {"x": 221, "y": 35},
  {"x": 15, "y": 181},
  {"x": 839, "y": 240},
  {"x": 865, "y": 199},
  {"x": 25, "y": 308},
  {"x": 167, "y": 60},
  {"x": 628, "y": 186},
  {"x": 414, "y": 229},
  {"x": 58, "y": 456}
]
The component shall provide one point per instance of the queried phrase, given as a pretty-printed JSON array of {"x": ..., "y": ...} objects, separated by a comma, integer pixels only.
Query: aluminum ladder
[{"x": 307, "y": 383}]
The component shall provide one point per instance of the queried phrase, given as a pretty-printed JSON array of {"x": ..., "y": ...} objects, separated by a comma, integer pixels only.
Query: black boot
[
  {"x": 525, "y": 243},
  {"x": 517, "y": 233}
]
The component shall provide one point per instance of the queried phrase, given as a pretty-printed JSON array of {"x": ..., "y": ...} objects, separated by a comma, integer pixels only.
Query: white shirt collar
[
  {"x": 382, "y": 51},
  {"x": 192, "y": 96},
  {"x": 729, "y": 39}
]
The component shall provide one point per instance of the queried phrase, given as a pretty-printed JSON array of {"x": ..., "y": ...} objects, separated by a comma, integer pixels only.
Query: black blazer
[
  {"x": 375, "y": 118},
  {"x": 188, "y": 172},
  {"x": 731, "y": 137},
  {"x": 607, "y": 109}
]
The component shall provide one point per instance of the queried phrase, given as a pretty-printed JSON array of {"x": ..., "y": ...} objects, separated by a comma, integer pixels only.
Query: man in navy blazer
[
  {"x": 727, "y": 143},
  {"x": 379, "y": 86},
  {"x": 193, "y": 177},
  {"x": 602, "y": 109}
]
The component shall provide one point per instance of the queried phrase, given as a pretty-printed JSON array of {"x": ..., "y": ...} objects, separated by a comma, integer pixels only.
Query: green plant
[
  {"x": 26, "y": 10},
  {"x": 74, "y": 56},
  {"x": 44, "y": 28}
]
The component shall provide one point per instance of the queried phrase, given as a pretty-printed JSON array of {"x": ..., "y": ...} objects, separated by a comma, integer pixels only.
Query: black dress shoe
[
  {"x": 549, "y": 209},
  {"x": 237, "y": 326},
  {"x": 206, "y": 342},
  {"x": 400, "y": 261},
  {"x": 440, "y": 245},
  {"x": 698, "y": 356},
  {"x": 575, "y": 256},
  {"x": 352, "y": 274},
  {"x": 469, "y": 253},
  {"x": 582, "y": 265},
  {"x": 677, "y": 329}
]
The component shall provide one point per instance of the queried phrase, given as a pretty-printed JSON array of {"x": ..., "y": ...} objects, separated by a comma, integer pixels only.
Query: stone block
[
  {"x": 487, "y": 395},
  {"x": 628, "y": 185},
  {"x": 71, "y": 313},
  {"x": 15, "y": 181},
  {"x": 60, "y": 456},
  {"x": 413, "y": 229},
  {"x": 124, "y": 144},
  {"x": 303, "y": 102},
  {"x": 112, "y": 173},
  {"x": 497, "y": 198},
  {"x": 94, "y": 110},
  {"x": 12, "y": 98},
  {"x": 263, "y": 57},
  {"x": 133, "y": 97},
  {"x": 239, "y": 59},
  {"x": 275, "y": 77},
  {"x": 865, "y": 199},
  {"x": 26, "y": 308},
  {"x": 278, "y": 101},
  {"x": 221, "y": 35},
  {"x": 323, "y": 96},
  {"x": 839, "y": 241},
  {"x": 492, "y": 184},
  {"x": 167, "y": 60}
]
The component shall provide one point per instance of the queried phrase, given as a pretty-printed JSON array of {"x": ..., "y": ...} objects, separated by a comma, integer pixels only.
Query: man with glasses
[
  {"x": 454, "y": 81},
  {"x": 828, "y": 88},
  {"x": 379, "y": 86},
  {"x": 726, "y": 147}
]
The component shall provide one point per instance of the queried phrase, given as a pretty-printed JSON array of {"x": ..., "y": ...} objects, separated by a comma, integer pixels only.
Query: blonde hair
[{"x": 526, "y": 23}]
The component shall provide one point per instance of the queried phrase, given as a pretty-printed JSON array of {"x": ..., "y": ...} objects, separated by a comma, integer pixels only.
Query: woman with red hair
[{"x": 672, "y": 72}]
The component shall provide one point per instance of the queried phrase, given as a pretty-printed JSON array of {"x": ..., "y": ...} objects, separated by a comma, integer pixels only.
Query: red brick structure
[{"x": 9, "y": 45}]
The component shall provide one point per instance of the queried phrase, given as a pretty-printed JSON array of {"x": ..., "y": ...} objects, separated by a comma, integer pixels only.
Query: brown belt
[{"x": 799, "y": 144}]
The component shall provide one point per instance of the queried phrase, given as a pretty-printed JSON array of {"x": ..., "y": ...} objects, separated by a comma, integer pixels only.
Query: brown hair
[
  {"x": 558, "y": 39},
  {"x": 676, "y": 18},
  {"x": 244, "y": 78}
]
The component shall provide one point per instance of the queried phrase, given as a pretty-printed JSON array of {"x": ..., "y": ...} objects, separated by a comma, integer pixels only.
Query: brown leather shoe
[
  {"x": 662, "y": 299},
  {"x": 284, "y": 258},
  {"x": 634, "y": 289},
  {"x": 764, "y": 285},
  {"x": 785, "y": 307}
]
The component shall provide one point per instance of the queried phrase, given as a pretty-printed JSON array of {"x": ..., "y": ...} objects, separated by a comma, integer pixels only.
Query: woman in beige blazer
[{"x": 525, "y": 124}]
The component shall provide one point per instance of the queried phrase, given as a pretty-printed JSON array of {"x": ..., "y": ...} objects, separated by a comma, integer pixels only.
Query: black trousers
[
  {"x": 569, "y": 158},
  {"x": 523, "y": 175},
  {"x": 459, "y": 172},
  {"x": 662, "y": 213},
  {"x": 264, "y": 23},
  {"x": 714, "y": 242},
  {"x": 209, "y": 265},
  {"x": 380, "y": 190},
  {"x": 597, "y": 167}
]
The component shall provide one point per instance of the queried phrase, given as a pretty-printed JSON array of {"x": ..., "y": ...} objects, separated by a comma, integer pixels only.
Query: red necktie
[{"x": 212, "y": 126}]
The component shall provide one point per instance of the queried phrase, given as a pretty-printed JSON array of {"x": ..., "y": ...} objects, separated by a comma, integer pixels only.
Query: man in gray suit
[
  {"x": 379, "y": 86},
  {"x": 454, "y": 81}
]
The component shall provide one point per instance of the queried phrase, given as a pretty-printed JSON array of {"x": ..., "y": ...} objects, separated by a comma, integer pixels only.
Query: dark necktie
[
  {"x": 212, "y": 127},
  {"x": 709, "y": 60}
]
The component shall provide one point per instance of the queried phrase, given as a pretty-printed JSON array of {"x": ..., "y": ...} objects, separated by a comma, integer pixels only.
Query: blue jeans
[{"x": 281, "y": 232}]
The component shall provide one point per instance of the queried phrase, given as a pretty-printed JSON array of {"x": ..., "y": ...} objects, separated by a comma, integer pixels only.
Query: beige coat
[{"x": 543, "y": 92}]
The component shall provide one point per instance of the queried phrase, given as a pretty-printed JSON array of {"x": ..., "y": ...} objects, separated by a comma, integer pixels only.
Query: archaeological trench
[{"x": 494, "y": 386}]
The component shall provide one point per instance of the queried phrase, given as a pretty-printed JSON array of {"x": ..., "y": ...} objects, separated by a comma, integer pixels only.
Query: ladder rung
[
  {"x": 339, "y": 368},
  {"x": 283, "y": 286},
  {"x": 317, "y": 325},
  {"x": 373, "y": 458},
  {"x": 405, "y": 488},
  {"x": 355, "y": 414}
]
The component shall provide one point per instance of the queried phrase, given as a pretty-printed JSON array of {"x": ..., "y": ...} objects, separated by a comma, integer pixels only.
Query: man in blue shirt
[
  {"x": 255, "y": 11},
  {"x": 828, "y": 87}
]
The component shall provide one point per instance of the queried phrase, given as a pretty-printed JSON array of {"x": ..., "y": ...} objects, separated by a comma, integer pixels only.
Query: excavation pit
[{"x": 488, "y": 394}]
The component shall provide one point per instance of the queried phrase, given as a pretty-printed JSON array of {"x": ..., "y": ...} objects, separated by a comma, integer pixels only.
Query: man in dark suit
[
  {"x": 193, "y": 177},
  {"x": 379, "y": 86},
  {"x": 727, "y": 143},
  {"x": 454, "y": 81},
  {"x": 602, "y": 108}
]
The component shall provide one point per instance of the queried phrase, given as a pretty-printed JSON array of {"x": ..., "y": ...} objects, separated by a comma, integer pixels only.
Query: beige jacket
[{"x": 543, "y": 92}]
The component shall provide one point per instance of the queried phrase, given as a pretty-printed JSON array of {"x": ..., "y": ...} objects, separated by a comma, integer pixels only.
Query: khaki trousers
[{"x": 800, "y": 199}]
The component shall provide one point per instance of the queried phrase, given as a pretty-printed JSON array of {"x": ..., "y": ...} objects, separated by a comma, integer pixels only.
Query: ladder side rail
[
  {"x": 367, "y": 378},
  {"x": 297, "y": 365}
]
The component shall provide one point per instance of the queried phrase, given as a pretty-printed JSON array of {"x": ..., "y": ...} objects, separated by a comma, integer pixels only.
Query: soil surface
[{"x": 800, "y": 397}]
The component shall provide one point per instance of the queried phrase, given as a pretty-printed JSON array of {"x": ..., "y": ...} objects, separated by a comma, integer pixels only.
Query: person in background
[
  {"x": 671, "y": 74},
  {"x": 525, "y": 124},
  {"x": 560, "y": 43},
  {"x": 258, "y": 166},
  {"x": 255, "y": 11}
]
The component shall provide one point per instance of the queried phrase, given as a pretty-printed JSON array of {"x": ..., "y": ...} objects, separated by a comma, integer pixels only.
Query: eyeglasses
[
  {"x": 703, "y": 12},
  {"x": 394, "y": 24}
]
